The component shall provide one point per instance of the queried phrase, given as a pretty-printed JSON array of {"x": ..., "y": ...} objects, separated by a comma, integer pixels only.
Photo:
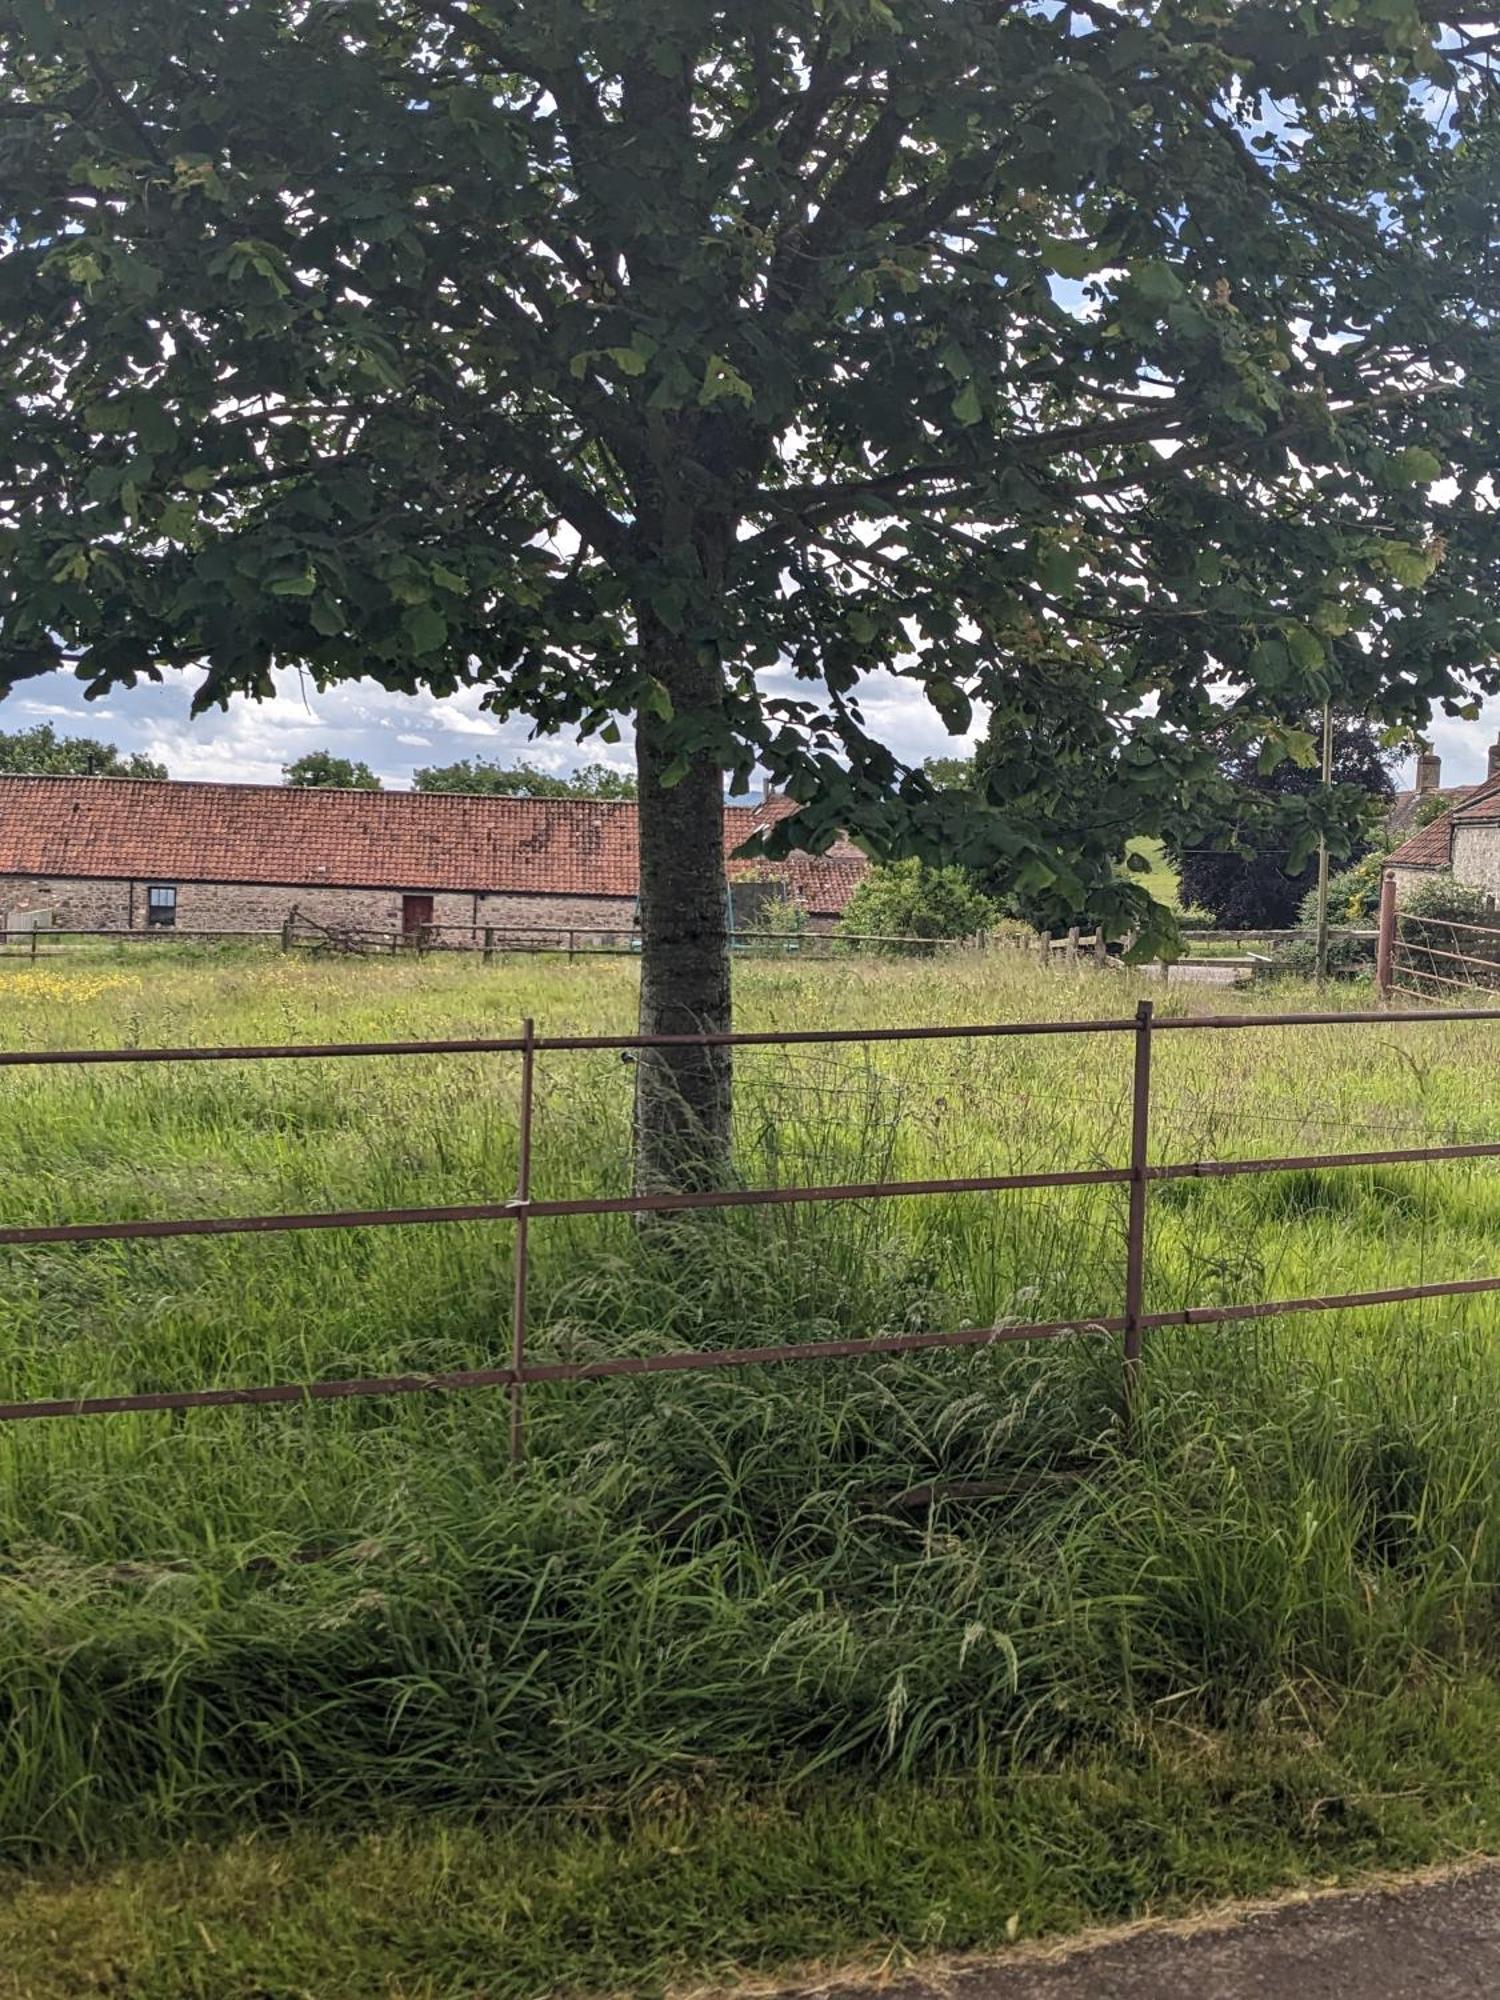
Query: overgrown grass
[{"x": 709, "y": 1614}]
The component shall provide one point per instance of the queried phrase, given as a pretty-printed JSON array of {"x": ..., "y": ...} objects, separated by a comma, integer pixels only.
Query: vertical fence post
[
  {"x": 1101, "y": 949},
  {"x": 1073, "y": 935},
  {"x": 523, "y": 1195},
  {"x": 1385, "y": 941},
  {"x": 34, "y": 935},
  {"x": 1135, "y": 1228},
  {"x": 489, "y": 944}
]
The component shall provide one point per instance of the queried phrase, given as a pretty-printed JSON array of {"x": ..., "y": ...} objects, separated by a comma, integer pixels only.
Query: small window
[{"x": 161, "y": 907}]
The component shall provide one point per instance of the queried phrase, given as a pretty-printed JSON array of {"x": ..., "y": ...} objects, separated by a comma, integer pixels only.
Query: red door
[{"x": 416, "y": 914}]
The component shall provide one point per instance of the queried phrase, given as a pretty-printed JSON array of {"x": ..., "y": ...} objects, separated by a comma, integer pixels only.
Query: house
[
  {"x": 1407, "y": 807},
  {"x": 135, "y": 854},
  {"x": 1465, "y": 841}
]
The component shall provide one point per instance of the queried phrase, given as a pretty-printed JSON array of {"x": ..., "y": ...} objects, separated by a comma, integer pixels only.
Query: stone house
[
  {"x": 1407, "y": 806},
  {"x": 1463, "y": 841},
  {"x": 131, "y": 854}
]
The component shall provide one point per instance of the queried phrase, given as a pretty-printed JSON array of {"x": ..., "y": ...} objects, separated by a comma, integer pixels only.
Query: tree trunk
[{"x": 682, "y": 1106}]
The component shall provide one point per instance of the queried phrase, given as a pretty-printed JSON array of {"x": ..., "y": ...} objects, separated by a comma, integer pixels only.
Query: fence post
[
  {"x": 1044, "y": 950},
  {"x": 288, "y": 924},
  {"x": 523, "y": 1196},
  {"x": 1101, "y": 949},
  {"x": 489, "y": 944},
  {"x": 1385, "y": 941},
  {"x": 1073, "y": 931},
  {"x": 33, "y": 940},
  {"x": 1135, "y": 1229},
  {"x": 571, "y": 936}
]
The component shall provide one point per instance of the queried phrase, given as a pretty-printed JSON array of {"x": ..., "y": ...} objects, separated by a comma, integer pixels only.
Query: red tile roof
[
  {"x": 1404, "y": 805},
  {"x": 1431, "y": 846},
  {"x": 133, "y": 828}
]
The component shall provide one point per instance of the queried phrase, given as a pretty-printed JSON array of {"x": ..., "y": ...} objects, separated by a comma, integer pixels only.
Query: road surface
[{"x": 1437, "y": 1938}]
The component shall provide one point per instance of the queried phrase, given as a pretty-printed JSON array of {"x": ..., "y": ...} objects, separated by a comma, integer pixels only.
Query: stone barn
[{"x": 132, "y": 854}]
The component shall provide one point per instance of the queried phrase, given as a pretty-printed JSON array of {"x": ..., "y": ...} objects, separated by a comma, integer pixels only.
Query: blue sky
[{"x": 392, "y": 733}]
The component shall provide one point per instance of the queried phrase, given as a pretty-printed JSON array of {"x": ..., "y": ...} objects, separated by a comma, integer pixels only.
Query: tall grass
[{"x": 239, "y": 1617}]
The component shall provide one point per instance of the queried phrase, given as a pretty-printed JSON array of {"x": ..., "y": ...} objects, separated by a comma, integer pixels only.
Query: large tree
[
  {"x": 681, "y": 361},
  {"x": 1262, "y": 869},
  {"x": 525, "y": 781},
  {"x": 41, "y": 752},
  {"x": 324, "y": 771}
]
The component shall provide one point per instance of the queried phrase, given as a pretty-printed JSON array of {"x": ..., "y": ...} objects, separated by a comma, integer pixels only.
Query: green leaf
[
  {"x": 1072, "y": 257},
  {"x": 720, "y": 379},
  {"x": 324, "y": 615},
  {"x": 1157, "y": 284},
  {"x": 1417, "y": 466},
  {"x": 952, "y": 704},
  {"x": 675, "y": 772},
  {"x": 425, "y": 627},
  {"x": 295, "y": 586},
  {"x": 449, "y": 579},
  {"x": 655, "y": 700},
  {"x": 966, "y": 406}
]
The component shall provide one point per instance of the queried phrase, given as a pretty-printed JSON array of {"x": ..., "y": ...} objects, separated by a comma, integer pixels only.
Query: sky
[{"x": 394, "y": 734}]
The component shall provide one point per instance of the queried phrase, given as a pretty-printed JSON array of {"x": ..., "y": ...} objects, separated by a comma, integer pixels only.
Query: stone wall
[
  {"x": 80, "y": 903},
  {"x": 1476, "y": 857},
  {"x": 1408, "y": 879}
]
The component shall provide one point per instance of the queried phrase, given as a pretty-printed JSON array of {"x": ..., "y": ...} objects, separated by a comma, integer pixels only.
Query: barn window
[{"x": 161, "y": 905}]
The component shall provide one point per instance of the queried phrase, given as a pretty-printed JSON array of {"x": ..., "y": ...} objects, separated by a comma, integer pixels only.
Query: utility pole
[{"x": 1322, "y": 946}]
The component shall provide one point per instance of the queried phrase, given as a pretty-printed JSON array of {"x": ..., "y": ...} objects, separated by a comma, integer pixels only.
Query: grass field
[{"x": 329, "y": 1700}]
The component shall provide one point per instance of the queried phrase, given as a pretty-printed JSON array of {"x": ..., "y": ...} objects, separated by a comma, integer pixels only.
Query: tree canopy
[
  {"x": 41, "y": 752},
  {"x": 1129, "y": 368},
  {"x": 1261, "y": 875},
  {"x": 906, "y": 900},
  {"x": 321, "y": 770},
  {"x": 525, "y": 781}
]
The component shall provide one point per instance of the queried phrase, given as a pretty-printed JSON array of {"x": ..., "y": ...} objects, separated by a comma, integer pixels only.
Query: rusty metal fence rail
[{"x": 1137, "y": 1174}]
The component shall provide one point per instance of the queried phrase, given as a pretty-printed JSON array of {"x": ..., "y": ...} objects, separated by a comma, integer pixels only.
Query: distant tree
[
  {"x": 909, "y": 899},
  {"x": 1266, "y": 868},
  {"x": 321, "y": 771},
  {"x": 42, "y": 752},
  {"x": 949, "y": 774},
  {"x": 525, "y": 781}
]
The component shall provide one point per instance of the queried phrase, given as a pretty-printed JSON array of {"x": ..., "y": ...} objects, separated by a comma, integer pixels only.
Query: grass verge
[{"x": 691, "y": 1891}]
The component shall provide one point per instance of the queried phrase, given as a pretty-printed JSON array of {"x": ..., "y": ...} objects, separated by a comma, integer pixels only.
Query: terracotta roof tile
[
  {"x": 1431, "y": 846},
  {"x": 136, "y": 828}
]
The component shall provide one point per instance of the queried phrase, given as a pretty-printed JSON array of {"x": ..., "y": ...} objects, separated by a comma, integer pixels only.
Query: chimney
[
  {"x": 1494, "y": 770},
  {"x": 1429, "y": 768}
]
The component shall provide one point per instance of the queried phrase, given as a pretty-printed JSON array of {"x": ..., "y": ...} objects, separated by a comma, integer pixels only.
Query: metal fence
[{"x": 1136, "y": 1174}]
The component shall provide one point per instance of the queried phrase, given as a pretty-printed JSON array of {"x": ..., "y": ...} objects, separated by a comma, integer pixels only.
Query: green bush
[
  {"x": 906, "y": 900},
  {"x": 1297, "y": 958},
  {"x": 1448, "y": 933},
  {"x": 1353, "y": 893},
  {"x": 1441, "y": 898}
]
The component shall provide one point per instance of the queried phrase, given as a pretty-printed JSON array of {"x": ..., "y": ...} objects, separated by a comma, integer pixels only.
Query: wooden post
[
  {"x": 1044, "y": 951},
  {"x": 288, "y": 928},
  {"x": 1385, "y": 940},
  {"x": 1073, "y": 931},
  {"x": 1101, "y": 950},
  {"x": 489, "y": 944},
  {"x": 33, "y": 940},
  {"x": 571, "y": 936}
]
